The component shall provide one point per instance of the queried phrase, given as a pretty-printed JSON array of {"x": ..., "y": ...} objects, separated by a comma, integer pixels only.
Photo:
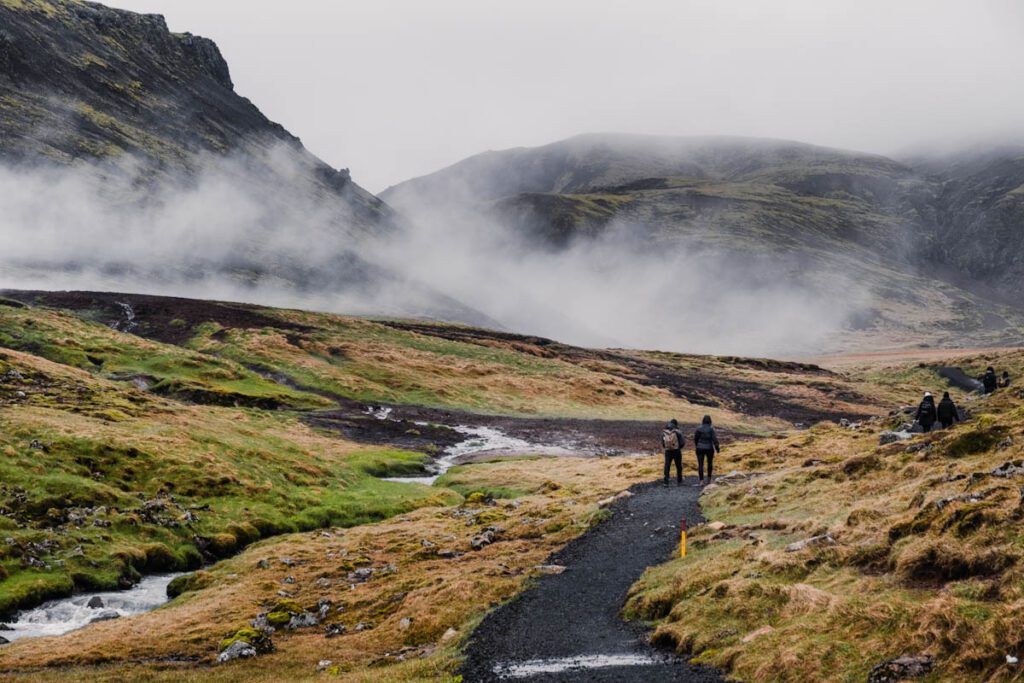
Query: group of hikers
[
  {"x": 946, "y": 413},
  {"x": 705, "y": 442}
]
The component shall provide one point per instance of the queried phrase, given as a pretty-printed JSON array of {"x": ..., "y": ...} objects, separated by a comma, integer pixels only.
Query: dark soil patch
[
  {"x": 576, "y": 613},
  {"x": 694, "y": 385},
  {"x": 164, "y": 319}
]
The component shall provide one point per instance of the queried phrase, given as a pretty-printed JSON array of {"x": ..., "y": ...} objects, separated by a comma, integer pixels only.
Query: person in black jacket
[
  {"x": 1004, "y": 382},
  {"x": 705, "y": 441},
  {"x": 947, "y": 412},
  {"x": 672, "y": 440},
  {"x": 926, "y": 413},
  {"x": 989, "y": 380}
]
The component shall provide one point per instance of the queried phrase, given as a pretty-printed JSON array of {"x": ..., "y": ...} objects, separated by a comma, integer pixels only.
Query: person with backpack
[
  {"x": 947, "y": 412},
  {"x": 926, "y": 413},
  {"x": 1005, "y": 381},
  {"x": 672, "y": 440},
  {"x": 705, "y": 441},
  {"x": 989, "y": 380}
]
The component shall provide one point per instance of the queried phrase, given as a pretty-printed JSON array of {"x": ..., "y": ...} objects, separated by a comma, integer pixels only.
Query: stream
[{"x": 58, "y": 617}]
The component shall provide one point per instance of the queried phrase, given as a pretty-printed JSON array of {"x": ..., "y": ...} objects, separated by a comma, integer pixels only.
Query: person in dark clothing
[
  {"x": 926, "y": 413},
  {"x": 1004, "y": 382},
  {"x": 672, "y": 440},
  {"x": 989, "y": 380},
  {"x": 705, "y": 441},
  {"x": 947, "y": 412}
]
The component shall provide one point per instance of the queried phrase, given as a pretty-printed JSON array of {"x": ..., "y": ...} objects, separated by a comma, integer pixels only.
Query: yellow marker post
[{"x": 682, "y": 538}]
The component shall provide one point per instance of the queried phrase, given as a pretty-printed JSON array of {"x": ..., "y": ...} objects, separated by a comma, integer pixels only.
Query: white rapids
[
  {"x": 479, "y": 440},
  {"x": 58, "y": 617}
]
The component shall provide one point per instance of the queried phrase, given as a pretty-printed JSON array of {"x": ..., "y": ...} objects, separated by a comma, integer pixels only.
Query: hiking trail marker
[{"x": 682, "y": 538}]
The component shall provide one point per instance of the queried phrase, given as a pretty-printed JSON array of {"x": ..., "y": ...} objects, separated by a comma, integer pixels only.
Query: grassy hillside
[{"x": 922, "y": 554}]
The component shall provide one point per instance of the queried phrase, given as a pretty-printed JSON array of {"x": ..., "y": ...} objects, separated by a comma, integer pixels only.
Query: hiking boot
[
  {"x": 699, "y": 483},
  {"x": 665, "y": 483}
]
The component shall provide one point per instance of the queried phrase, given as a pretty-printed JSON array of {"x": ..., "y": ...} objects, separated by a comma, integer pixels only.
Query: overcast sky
[{"x": 398, "y": 88}]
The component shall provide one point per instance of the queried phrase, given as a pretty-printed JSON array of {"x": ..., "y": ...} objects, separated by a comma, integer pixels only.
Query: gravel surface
[{"x": 576, "y": 614}]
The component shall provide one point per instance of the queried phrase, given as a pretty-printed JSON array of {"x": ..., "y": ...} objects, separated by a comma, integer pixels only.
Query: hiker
[
  {"x": 947, "y": 412},
  {"x": 705, "y": 441},
  {"x": 1005, "y": 381},
  {"x": 672, "y": 440},
  {"x": 926, "y": 413},
  {"x": 989, "y": 380}
]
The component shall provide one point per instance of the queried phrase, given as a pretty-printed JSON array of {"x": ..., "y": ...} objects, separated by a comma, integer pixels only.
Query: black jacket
[
  {"x": 926, "y": 412},
  {"x": 705, "y": 439},
  {"x": 947, "y": 412},
  {"x": 990, "y": 381},
  {"x": 679, "y": 434}
]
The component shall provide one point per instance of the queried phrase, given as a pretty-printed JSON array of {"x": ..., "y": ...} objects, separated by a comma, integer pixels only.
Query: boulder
[
  {"x": 901, "y": 668},
  {"x": 823, "y": 539},
  {"x": 236, "y": 650},
  {"x": 892, "y": 437},
  {"x": 95, "y": 602},
  {"x": 304, "y": 620},
  {"x": 334, "y": 630},
  {"x": 106, "y": 615},
  {"x": 4, "y": 641}
]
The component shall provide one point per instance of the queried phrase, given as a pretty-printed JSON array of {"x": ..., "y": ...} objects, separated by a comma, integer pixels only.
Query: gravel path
[{"x": 571, "y": 622}]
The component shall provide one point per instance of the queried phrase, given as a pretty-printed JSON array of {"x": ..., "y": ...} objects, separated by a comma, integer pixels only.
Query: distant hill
[
  {"x": 144, "y": 126},
  {"x": 929, "y": 246}
]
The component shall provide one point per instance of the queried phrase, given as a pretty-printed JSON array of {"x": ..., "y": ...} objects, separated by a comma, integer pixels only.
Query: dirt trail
[{"x": 568, "y": 627}]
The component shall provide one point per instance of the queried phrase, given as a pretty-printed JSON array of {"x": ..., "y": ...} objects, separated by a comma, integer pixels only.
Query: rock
[
  {"x": 405, "y": 624},
  {"x": 323, "y": 665},
  {"x": 334, "y": 630},
  {"x": 263, "y": 564},
  {"x": 823, "y": 539},
  {"x": 304, "y": 620},
  {"x": 483, "y": 540},
  {"x": 447, "y": 554},
  {"x": 919, "y": 448},
  {"x": 734, "y": 477},
  {"x": 1009, "y": 469},
  {"x": 1011, "y": 660},
  {"x": 813, "y": 462},
  {"x": 1005, "y": 443},
  {"x": 754, "y": 635},
  {"x": 288, "y": 579},
  {"x": 844, "y": 422},
  {"x": 716, "y": 526},
  {"x": 4, "y": 641},
  {"x": 95, "y": 602},
  {"x": 549, "y": 569},
  {"x": 236, "y": 650},
  {"x": 362, "y": 574},
  {"x": 363, "y": 626},
  {"x": 449, "y": 635},
  {"x": 426, "y": 544},
  {"x": 901, "y": 668},
  {"x": 106, "y": 615},
  {"x": 886, "y": 438}
]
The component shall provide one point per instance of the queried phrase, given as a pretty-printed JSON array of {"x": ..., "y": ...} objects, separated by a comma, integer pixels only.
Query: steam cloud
[{"x": 229, "y": 231}]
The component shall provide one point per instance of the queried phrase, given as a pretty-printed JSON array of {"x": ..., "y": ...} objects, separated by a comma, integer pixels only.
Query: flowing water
[{"x": 57, "y": 617}]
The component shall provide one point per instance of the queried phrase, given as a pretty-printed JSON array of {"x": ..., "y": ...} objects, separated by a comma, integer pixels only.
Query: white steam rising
[{"x": 234, "y": 231}]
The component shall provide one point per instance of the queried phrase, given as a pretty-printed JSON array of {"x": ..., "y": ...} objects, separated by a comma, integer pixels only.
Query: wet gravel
[{"x": 576, "y": 613}]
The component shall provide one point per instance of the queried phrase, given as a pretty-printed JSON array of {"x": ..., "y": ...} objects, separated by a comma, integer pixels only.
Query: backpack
[{"x": 670, "y": 440}]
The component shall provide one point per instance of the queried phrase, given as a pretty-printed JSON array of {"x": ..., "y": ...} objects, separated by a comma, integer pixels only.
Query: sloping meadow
[{"x": 834, "y": 554}]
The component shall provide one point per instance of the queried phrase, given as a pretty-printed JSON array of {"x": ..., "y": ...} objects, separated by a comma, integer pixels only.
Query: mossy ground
[{"x": 927, "y": 559}]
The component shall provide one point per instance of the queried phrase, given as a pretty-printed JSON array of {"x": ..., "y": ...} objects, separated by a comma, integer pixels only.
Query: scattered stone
[
  {"x": 754, "y": 635},
  {"x": 263, "y": 564},
  {"x": 334, "y": 630},
  {"x": 1009, "y": 469},
  {"x": 323, "y": 665},
  {"x": 919, "y": 448},
  {"x": 886, "y": 438},
  {"x": 483, "y": 540},
  {"x": 813, "y": 462},
  {"x": 844, "y": 422},
  {"x": 304, "y": 620},
  {"x": 426, "y": 544},
  {"x": 363, "y": 626},
  {"x": 285, "y": 594},
  {"x": 405, "y": 624},
  {"x": 901, "y": 668},
  {"x": 37, "y": 445},
  {"x": 288, "y": 579},
  {"x": 716, "y": 526},
  {"x": 362, "y": 574},
  {"x": 106, "y": 615},
  {"x": 823, "y": 539},
  {"x": 287, "y": 561},
  {"x": 1011, "y": 660},
  {"x": 236, "y": 650},
  {"x": 449, "y": 635},
  {"x": 447, "y": 554},
  {"x": 550, "y": 569},
  {"x": 734, "y": 477},
  {"x": 1005, "y": 443},
  {"x": 4, "y": 641},
  {"x": 95, "y": 602}
]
